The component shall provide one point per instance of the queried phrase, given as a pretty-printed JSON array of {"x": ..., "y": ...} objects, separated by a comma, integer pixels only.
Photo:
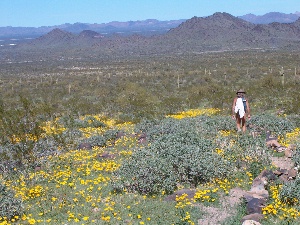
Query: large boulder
[{"x": 255, "y": 206}]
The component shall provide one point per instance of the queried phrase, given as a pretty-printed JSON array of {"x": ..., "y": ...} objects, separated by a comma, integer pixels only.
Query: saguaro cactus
[{"x": 281, "y": 72}]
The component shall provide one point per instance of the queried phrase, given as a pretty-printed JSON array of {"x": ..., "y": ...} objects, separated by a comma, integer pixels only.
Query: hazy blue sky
[{"x": 37, "y": 13}]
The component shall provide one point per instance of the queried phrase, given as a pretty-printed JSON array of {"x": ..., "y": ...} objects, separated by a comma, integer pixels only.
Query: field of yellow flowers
[{"x": 73, "y": 186}]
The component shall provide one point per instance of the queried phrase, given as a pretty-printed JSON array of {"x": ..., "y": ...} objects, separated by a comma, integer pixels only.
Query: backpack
[{"x": 244, "y": 103}]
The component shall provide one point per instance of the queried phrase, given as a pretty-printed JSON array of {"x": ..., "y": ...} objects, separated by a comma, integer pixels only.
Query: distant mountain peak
[
  {"x": 56, "y": 31},
  {"x": 222, "y": 14},
  {"x": 54, "y": 36},
  {"x": 271, "y": 17}
]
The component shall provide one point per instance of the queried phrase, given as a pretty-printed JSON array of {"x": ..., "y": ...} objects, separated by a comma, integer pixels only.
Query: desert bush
[
  {"x": 178, "y": 154},
  {"x": 102, "y": 140},
  {"x": 202, "y": 125},
  {"x": 10, "y": 206},
  {"x": 89, "y": 121},
  {"x": 145, "y": 172},
  {"x": 72, "y": 121},
  {"x": 296, "y": 155},
  {"x": 245, "y": 151},
  {"x": 216, "y": 123},
  {"x": 290, "y": 192},
  {"x": 295, "y": 119},
  {"x": 20, "y": 128},
  {"x": 137, "y": 100},
  {"x": 275, "y": 124}
]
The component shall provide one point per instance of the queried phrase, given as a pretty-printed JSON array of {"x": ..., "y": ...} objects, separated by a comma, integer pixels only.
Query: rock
[
  {"x": 292, "y": 147},
  {"x": 284, "y": 178},
  {"x": 268, "y": 174},
  {"x": 86, "y": 146},
  {"x": 262, "y": 193},
  {"x": 249, "y": 196},
  {"x": 255, "y": 216},
  {"x": 255, "y": 206},
  {"x": 282, "y": 162},
  {"x": 142, "y": 141},
  {"x": 284, "y": 171},
  {"x": 37, "y": 168},
  {"x": 142, "y": 135},
  {"x": 278, "y": 172},
  {"x": 258, "y": 188},
  {"x": 142, "y": 138},
  {"x": 269, "y": 137},
  {"x": 292, "y": 173},
  {"x": 259, "y": 183},
  {"x": 95, "y": 210},
  {"x": 120, "y": 134},
  {"x": 251, "y": 222},
  {"x": 288, "y": 153},
  {"x": 191, "y": 193},
  {"x": 107, "y": 155}
]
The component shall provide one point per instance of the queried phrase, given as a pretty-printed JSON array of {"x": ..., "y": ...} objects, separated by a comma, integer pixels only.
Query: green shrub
[
  {"x": 278, "y": 125},
  {"x": 145, "y": 172},
  {"x": 19, "y": 129},
  {"x": 213, "y": 125},
  {"x": 296, "y": 155},
  {"x": 10, "y": 206},
  {"x": 290, "y": 192},
  {"x": 177, "y": 154},
  {"x": 256, "y": 167},
  {"x": 102, "y": 140},
  {"x": 89, "y": 121}
]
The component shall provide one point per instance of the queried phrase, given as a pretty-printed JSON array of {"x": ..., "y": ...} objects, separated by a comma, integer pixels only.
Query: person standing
[{"x": 240, "y": 110}]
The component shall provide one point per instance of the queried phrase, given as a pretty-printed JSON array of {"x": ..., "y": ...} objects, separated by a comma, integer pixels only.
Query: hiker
[{"x": 240, "y": 110}]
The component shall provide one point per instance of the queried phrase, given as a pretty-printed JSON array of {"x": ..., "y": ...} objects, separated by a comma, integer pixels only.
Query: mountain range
[
  {"x": 145, "y": 27},
  {"x": 218, "y": 32}
]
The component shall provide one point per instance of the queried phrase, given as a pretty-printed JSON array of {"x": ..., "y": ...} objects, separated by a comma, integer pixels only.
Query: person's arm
[{"x": 248, "y": 109}]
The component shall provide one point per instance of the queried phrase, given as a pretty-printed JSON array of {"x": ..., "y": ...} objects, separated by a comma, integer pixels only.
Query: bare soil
[{"x": 227, "y": 208}]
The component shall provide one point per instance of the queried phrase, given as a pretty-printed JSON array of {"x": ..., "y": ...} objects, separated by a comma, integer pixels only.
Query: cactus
[{"x": 281, "y": 72}]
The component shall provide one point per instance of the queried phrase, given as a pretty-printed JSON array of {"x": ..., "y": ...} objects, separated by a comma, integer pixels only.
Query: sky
[{"x": 37, "y": 13}]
